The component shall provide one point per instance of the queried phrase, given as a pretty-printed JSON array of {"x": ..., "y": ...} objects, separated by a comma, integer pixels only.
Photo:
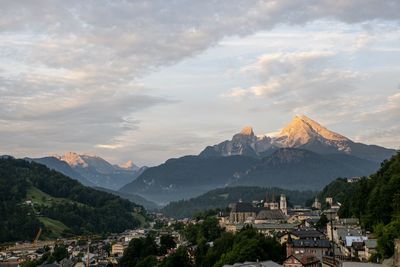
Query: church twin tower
[{"x": 282, "y": 205}]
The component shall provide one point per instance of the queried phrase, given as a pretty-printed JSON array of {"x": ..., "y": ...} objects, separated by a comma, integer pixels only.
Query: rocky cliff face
[{"x": 302, "y": 132}]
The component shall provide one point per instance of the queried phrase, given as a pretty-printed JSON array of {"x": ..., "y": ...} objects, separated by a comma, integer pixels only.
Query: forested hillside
[
  {"x": 186, "y": 177},
  {"x": 33, "y": 196},
  {"x": 375, "y": 200}
]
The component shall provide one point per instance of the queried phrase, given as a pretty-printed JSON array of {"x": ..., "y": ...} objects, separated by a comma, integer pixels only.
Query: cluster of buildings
[
  {"x": 92, "y": 251},
  {"x": 306, "y": 246},
  {"x": 268, "y": 216},
  {"x": 77, "y": 249},
  {"x": 351, "y": 240}
]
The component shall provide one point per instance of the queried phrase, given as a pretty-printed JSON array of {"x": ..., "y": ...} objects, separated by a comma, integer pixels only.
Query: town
[
  {"x": 199, "y": 133},
  {"x": 312, "y": 237}
]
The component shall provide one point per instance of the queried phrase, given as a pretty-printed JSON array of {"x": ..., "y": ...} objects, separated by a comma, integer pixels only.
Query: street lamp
[{"x": 330, "y": 215}]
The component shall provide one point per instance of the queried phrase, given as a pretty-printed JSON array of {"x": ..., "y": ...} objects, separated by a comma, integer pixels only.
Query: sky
[{"x": 153, "y": 80}]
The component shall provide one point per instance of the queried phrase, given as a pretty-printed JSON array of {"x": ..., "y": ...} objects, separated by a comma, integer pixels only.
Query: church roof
[
  {"x": 265, "y": 214},
  {"x": 244, "y": 207}
]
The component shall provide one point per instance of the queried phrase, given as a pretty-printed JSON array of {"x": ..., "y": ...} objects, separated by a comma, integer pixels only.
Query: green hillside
[
  {"x": 54, "y": 228},
  {"x": 375, "y": 200},
  {"x": 33, "y": 196}
]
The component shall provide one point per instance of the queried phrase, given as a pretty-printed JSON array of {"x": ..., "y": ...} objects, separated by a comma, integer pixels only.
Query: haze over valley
[
  {"x": 200, "y": 133},
  {"x": 304, "y": 155}
]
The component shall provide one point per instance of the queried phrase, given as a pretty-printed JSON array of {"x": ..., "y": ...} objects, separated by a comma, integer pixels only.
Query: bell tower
[{"x": 283, "y": 204}]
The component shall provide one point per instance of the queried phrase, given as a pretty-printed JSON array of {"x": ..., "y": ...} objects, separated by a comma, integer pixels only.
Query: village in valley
[{"x": 313, "y": 237}]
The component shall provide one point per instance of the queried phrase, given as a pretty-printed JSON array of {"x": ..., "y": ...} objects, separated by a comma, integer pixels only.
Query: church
[{"x": 269, "y": 212}]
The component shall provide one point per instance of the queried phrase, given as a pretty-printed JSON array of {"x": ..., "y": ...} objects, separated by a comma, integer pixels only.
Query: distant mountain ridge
[
  {"x": 287, "y": 168},
  {"x": 304, "y": 155},
  {"x": 301, "y": 169},
  {"x": 186, "y": 177},
  {"x": 302, "y": 132},
  {"x": 62, "y": 167},
  {"x": 92, "y": 170},
  {"x": 147, "y": 204}
]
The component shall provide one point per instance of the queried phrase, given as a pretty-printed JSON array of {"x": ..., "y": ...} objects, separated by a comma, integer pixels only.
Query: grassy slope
[
  {"x": 54, "y": 228},
  {"x": 39, "y": 197}
]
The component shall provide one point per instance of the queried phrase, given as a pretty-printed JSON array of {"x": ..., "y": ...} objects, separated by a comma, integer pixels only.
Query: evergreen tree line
[
  {"x": 375, "y": 200},
  {"x": 84, "y": 210},
  {"x": 207, "y": 246}
]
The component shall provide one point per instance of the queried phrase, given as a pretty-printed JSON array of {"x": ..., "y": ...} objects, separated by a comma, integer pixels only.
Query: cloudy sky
[{"x": 151, "y": 80}]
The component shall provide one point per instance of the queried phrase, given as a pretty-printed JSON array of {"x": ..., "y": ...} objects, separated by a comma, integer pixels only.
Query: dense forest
[
  {"x": 375, "y": 200},
  {"x": 33, "y": 196},
  {"x": 208, "y": 244},
  {"x": 222, "y": 197}
]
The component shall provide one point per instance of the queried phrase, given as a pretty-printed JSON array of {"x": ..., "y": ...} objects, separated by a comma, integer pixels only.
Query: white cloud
[
  {"x": 295, "y": 74},
  {"x": 69, "y": 69},
  {"x": 109, "y": 146},
  {"x": 388, "y": 111}
]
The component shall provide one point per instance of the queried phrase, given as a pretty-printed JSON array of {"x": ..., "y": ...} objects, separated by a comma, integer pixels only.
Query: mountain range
[
  {"x": 304, "y": 155},
  {"x": 187, "y": 176},
  {"x": 303, "y": 133},
  {"x": 91, "y": 170}
]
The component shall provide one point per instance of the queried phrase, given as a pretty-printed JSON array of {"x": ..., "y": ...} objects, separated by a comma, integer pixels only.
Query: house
[
  {"x": 307, "y": 233},
  {"x": 370, "y": 247},
  {"x": 349, "y": 240},
  {"x": 302, "y": 261},
  {"x": 342, "y": 228},
  {"x": 311, "y": 222},
  {"x": 313, "y": 247},
  {"x": 300, "y": 215},
  {"x": 302, "y": 233},
  {"x": 357, "y": 250},
  {"x": 353, "y": 179},
  {"x": 117, "y": 249},
  {"x": 267, "y": 229},
  {"x": 348, "y": 249}
]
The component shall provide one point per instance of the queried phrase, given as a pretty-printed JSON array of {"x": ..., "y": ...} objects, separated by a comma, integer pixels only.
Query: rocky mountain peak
[
  {"x": 248, "y": 130},
  {"x": 73, "y": 159},
  {"x": 302, "y": 130},
  {"x": 129, "y": 165}
]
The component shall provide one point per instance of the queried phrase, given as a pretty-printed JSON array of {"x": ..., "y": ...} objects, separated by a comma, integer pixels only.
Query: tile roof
[{"x": 307, "y": 243}]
